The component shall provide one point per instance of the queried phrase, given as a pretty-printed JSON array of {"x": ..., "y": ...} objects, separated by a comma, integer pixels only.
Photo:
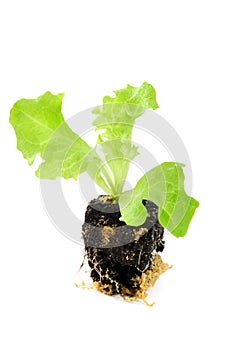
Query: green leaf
[
  {"x": 115, "y": 119},
  {"x": 63, "y": 155},
  {"x": 34, "y": 121},
  {"x": 114, "y": 122},
  {"x": 143, "y": 96},
  {"x": 164, "y": 185},
  {"x": 40, "y": 129}
]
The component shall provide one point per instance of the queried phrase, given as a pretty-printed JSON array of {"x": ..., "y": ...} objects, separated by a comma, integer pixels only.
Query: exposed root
[
  {"x": 147, "y": 280},
  {"x": 83, "y": 285},
  {"x": 149, "y": 277}
]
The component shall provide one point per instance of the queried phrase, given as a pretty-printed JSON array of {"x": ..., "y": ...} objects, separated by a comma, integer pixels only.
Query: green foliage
[
  {"x": 115, "y": 119},
  {"x": 41, "y": 130},
  {"x": 114, "y": 124},
  {"x": 163, "y": 185},
  {"x": 34, "y": 122}
]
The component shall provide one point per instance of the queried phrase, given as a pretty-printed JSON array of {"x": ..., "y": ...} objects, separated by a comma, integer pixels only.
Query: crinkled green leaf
[
  {"x": 143, "y": 96},
  {"x": 40, "y": 129},
  {"x": 164, "y": 185},
  {"x": 115, "y": 119}
]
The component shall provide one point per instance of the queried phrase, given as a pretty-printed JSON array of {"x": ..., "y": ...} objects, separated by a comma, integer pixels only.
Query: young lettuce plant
[{"x": 123, "y": 230}]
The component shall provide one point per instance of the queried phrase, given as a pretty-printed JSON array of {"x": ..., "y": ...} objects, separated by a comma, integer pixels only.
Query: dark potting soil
[{"x": 118, "y": 254}]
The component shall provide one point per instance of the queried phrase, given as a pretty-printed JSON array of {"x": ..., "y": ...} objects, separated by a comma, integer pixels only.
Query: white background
[{"x": 87, "y": 49}]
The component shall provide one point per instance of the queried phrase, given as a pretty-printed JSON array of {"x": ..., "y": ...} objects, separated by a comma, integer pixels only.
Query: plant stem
[{"x": 108, "y": 177}]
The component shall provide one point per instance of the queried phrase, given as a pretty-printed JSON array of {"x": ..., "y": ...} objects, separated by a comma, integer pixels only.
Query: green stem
[
  {"x": 103, "y": 185},
  {"x": 109, "y": 180}
]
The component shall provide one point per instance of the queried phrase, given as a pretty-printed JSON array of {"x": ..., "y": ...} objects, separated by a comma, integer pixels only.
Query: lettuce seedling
[{"x": 41, "y": 130}]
